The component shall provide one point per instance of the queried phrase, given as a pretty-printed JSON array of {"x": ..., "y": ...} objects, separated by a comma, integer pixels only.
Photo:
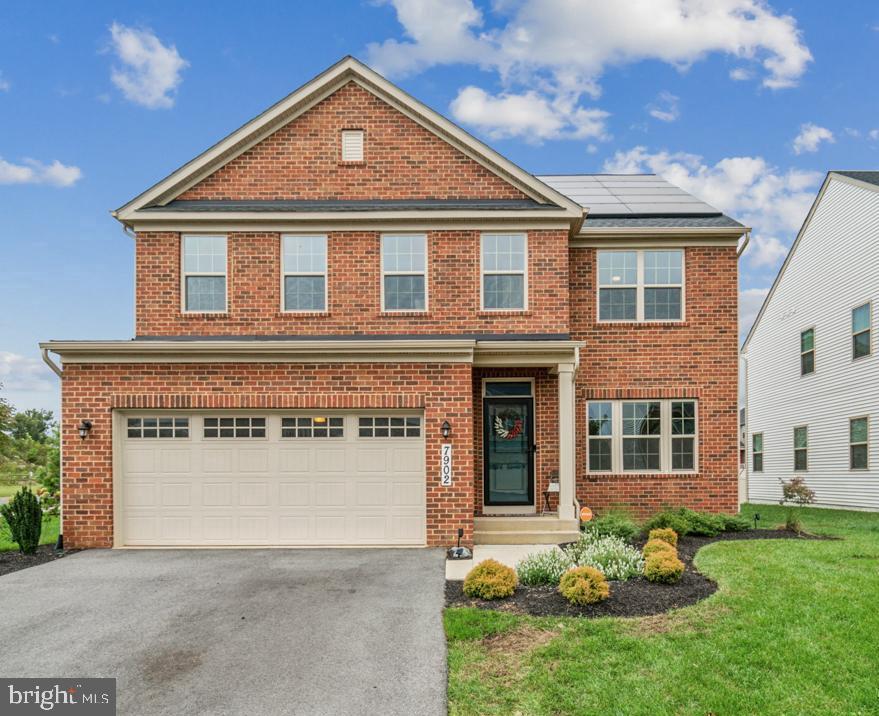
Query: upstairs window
[
  {"x": 757, "y": 452},
  {"x": 807, "y": 351},
  {"x": 404, "y": 275},
  {"x": 204, "y": 274},
  {"x": 352, "y": 145},
  {"x": 641, "y": 285},
  {"x": 861, "y": 331},
  {"x": 305, "y": 273},
  {"x": 858, "y": 439},
  {"x": 504, "y": 261},
  {"x": 801, "y": 448}
]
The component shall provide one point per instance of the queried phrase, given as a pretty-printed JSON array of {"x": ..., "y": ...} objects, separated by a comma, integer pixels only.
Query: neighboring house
[
  {"x": 811, "y": 369},
  {"x": 358, "y": 325}
]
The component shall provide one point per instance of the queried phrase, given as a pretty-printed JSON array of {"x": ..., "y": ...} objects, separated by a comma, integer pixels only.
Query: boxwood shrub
[
  {"x": 584, "y": 585},
  {"x": 490, "y": 580}
]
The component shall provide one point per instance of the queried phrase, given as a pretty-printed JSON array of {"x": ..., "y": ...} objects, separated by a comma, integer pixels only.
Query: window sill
[
  {"x": 361, "y": 163},
  {"x": 309, "y": 314},
  {"x": 404, "y": 314},
  {"x": 496, "y": 312},
  {"x": 657, "y": 475},
  {"x": 205, "y": 314},
  {"x": 643, "y": 324}
]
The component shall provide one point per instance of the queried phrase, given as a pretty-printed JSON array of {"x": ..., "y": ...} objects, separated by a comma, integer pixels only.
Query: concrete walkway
[
  {"x": 508, "y": 554},
  {"x": 237, "y": 631}
]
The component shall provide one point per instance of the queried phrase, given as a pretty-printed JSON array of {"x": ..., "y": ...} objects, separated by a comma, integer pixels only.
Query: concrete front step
[{"x": 524, "y": 530}]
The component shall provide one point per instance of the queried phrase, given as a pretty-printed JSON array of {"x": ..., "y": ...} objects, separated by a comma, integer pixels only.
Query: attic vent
[{"x": 352, "y": 145}]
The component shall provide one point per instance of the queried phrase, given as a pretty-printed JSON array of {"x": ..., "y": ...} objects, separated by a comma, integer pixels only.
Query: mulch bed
[
  {"x": 14, "y": 560},
  {"x": 632, "y": 598}
]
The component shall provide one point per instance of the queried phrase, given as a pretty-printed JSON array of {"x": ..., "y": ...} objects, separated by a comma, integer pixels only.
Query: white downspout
[{"x": 56, "y": 369}]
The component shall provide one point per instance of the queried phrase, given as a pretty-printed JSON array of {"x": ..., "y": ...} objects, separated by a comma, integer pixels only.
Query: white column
[{"x": 567, "y": 441}]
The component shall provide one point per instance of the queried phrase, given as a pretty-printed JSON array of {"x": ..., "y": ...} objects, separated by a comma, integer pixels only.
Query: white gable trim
[
  {"x": 793, "y": 248},
  {"x": 318, "y": 89}
]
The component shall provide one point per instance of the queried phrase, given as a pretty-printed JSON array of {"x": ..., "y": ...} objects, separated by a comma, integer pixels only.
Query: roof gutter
[
  {"x": 56, "y": 369},
  {"x": 745, "y": 243}
]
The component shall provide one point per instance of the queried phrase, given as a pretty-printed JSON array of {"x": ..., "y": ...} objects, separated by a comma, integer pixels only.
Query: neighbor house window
[
  {"x": 861, "y": 331},
  {"x": 352, "y": 145},
  {"x": 504, "y": 272},
  {"x": 389, "y": 427},
  {"x": 801, "y": 448},
  {"x": 158, "y": 427},
  {"x": 234, "y": 427},
  {"x": 642, "y": 436},
  {"x": 305, "y": 273},
  {"x": 858, "y": 438},
  {"x": 807, "y": 351},
  {"x": 641, "y": 285},
  {"x": 757, "y": 452},
  {"x": 404, "y": 274},
  {"x": 204, "y": 274}
]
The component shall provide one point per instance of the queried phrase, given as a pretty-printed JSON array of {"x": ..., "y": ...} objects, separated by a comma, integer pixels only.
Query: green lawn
[
  {"x": 48, "y": 535},
  {"x": 793, "y": 629},
  {"x": 8, "y": 489}
]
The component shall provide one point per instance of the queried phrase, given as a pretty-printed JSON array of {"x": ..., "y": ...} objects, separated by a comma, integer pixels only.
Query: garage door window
[
  {"x": 389, "y": 427},
  {"x": 158, "y": 427},
  {"x": 234, "y": 427},
  {"x": 312, "y": 427}
]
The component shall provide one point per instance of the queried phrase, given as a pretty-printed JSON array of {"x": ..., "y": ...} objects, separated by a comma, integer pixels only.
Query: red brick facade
[
  {"x": 354, "y": 285},
  {"x": 403, "y": 160}
]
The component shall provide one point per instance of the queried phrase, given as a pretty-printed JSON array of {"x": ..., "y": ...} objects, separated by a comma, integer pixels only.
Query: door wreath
[{"x": 508, "y": 425}]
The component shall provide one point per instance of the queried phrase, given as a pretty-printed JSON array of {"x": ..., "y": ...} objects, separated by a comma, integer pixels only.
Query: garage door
[{"x": 271, "y": 479}]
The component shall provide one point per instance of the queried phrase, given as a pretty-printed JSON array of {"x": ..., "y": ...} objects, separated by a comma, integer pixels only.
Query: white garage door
[{"x": 271, "y": 479}]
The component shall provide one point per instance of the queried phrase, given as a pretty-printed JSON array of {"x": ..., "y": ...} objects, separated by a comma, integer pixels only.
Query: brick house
[{"x": 358, "y": 325}]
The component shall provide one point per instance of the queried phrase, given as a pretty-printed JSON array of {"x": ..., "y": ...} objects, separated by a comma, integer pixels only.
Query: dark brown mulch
[
  {"x": 14, "y": 560},
  {"x": 633, "y": 598}
]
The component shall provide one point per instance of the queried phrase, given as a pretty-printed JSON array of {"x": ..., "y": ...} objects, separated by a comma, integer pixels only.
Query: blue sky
[{"x": 741, "y": 102}]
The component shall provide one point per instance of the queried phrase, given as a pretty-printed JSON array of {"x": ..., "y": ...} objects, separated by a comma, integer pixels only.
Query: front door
[{"x": 508, "y": 429}]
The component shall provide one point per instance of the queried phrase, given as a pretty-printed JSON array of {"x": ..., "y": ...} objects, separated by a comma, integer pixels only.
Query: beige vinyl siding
[{"x": 835, "y": 268}]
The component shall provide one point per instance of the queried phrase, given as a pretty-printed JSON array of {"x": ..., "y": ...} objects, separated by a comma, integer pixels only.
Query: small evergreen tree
[{"x": 25, "y": 519}]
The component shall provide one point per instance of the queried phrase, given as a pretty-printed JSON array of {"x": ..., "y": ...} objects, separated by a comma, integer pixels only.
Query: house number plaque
[{"x": 446, "y": 465}]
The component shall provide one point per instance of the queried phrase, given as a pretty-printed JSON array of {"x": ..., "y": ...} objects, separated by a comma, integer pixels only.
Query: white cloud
[
  {"x": 665, "y": 108},
  {"x": 810, "y": 137},
  {"x": 18, "y": 372},
  {"x": 874, "y": 134},
  {"x": 765, "y": 251},
  {"x": 559, "y": 50},
  {"x": 740, "y": 74},
  {"x": 747, "y": 188},
  {"x": 150, "y": 72},
  {"x": 5, "y": 85},
  {"x": 31, "y": 171},
  {"x": 750, "y": 301},
  {"x": 852, "y": 132},
  {"x": 527, "y": 115}
]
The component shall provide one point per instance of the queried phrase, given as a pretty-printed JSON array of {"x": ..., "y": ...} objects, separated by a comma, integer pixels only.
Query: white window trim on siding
[
  {"x": 851, "y": 444},
  {"x": 795, "y": 448},
  {"x": 868, "y": 329},
  {"x": 640, "y": 285}
]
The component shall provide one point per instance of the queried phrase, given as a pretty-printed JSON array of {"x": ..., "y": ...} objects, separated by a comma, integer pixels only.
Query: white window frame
[
  {"x": 761, "y": 452},
  {"x": 814, "y": 351},
  {"x": 325, "y": 273},
  {"x": 352, "y": 133},
  {"x": 665, "y": 437},
  {"x": 425, "y": 273},
  {"x": 640, "y": 285},
  {"x": 868, "y": 329},
  {"x": 795, "y": 448},
  {"x": 184, "y": 274},
  {"x": 865, "y": 443},
  {"x": 483, "y": 272}
]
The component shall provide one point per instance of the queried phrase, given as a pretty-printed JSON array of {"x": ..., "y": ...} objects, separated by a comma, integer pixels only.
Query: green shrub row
[
  {"x": 661, "y": 563},
  {"x": 684, "y": 521}
]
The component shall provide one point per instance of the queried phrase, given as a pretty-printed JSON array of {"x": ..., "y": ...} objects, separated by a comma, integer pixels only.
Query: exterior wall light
[
  {"x": 85, "y": 428},
  {"x": 447, "y": 429}
]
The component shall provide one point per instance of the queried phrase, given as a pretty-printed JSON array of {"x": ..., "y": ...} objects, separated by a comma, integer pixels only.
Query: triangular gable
[{"x": 345, "y": 75}]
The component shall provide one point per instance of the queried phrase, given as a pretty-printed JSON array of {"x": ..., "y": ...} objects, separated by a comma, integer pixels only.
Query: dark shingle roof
[
  {"x": 658, "y": 222},
  {"x": 371, "y": 336},
  {"x": 302, "y": 205},
  {"x": 867, "y": 176}
]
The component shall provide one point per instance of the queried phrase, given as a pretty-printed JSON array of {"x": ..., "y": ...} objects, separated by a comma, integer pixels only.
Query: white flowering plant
[
  {"x": 612, "y": 555},
  {"x": 544, "y": 568}
]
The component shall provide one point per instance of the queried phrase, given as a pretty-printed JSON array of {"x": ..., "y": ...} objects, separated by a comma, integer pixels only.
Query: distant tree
[
  {"x": 34, "y": 424},
  {"x": 49, "y": 473},
  {"x": 6, "y": 413}
]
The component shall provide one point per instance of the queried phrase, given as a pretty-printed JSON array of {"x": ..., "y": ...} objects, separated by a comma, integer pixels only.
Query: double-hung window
[
  {"x": 504, "y": 272},
  {"x": 861, "y": 331},
  {"x": 807, "y": 351},
  {"x": 646, "y": 285},
  {"x": 757, "y": 452},
  {"x": 204, "y": 274},
  {"x": 858, "y": 439},
  {"x": 305, "y": 273},
  {"x": 642, "y": 436},
  {"x": 801, "y": 448},
  {"x": 404, "y": 272}
]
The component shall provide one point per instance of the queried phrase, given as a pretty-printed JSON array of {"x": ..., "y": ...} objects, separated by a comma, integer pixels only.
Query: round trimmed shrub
[
  {"x": 490, "y": 580},
  {"x": 669, "y": 519},
  {"x": 658, "y": 546},
  {"x": 666, "y": 534},
  {"x": 584, "y": 585},
  {"x": 663, "y": 567}
]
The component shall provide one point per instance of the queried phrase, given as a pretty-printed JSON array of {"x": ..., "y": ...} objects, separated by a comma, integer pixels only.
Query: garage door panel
[{"x": 292, "y": 490}]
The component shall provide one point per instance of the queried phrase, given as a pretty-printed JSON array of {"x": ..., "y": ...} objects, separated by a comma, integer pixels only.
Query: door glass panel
[
  {"x": 508, "y": 451},
  {"x": 507, "y": 388}
]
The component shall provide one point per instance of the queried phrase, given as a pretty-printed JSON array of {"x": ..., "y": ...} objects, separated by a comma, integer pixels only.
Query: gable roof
[
  {"x": 301, "y": 100},
  {"x": 856, "y": 178}
]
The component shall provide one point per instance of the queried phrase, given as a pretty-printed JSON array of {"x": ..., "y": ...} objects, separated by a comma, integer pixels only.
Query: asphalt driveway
[{"x": 236, "y": 631}]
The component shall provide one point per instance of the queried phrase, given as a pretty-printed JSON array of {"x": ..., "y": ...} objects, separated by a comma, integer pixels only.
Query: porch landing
[
  {"x": 508, "y": 554},
  {"x": 530, "y": 530}
]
